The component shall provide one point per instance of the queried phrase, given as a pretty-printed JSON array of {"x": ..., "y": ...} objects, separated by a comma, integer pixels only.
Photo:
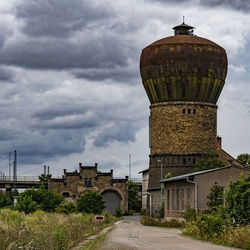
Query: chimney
[
  {"x": 80, "y": 165},
  {"x": 219, "y": 143},
  {"x": 111, "y": 171},
  {"x": 64, "y": 171}
]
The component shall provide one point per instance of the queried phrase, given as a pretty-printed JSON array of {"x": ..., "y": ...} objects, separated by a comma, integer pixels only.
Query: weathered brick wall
[
  {"x": 75, "y": 186},
  {"x": 175, "y": 132}
]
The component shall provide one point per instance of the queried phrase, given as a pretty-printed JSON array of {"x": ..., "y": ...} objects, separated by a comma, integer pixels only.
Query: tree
[
  {"x": 208, "y": 161},
  {"x": 26, "y": 204},
  {"x": 238, "y": 200},
  {"x": 244, "y": 159},
  {"x": 47, "y": 200},
  {"x": 134, "y": 200},
  {"x": 4, "y": 201},
  {"x": 215, "y": 197},
  {"x": 44, "y": 179},
  {"x": 91, "y": 202}
]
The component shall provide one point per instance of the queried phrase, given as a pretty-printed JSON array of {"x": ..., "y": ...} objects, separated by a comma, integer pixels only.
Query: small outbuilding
[{"x": 192, "y": 189}]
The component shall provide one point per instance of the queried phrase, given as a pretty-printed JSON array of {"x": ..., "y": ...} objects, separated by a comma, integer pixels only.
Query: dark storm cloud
[
  {"x": 38, "y": 147},
  {"x": 6, "y": 75},
  {"x": 51, "y": 54},
  {"x": 243, "y": 5},
  {"x": 120, "y": 74},
  {"x": 120, "y": 131},
  {"x": 60, "y": 18}
]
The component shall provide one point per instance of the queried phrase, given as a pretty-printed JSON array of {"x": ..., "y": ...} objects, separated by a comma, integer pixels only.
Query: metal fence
[{"x": 19, "y": 178}]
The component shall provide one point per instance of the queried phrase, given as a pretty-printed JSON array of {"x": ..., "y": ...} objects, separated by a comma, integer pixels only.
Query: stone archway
[{"x": 112, "y": 200}]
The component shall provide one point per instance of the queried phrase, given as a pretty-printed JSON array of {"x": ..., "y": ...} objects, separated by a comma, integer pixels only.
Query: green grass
[
  {"x": 45, "y": 231},
  {"x": 97, "y": 242}
]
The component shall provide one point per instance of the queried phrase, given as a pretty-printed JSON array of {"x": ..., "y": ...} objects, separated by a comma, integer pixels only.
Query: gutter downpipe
[
  {"x": 150, "y": 204},
  {"x": 195, "y": 194}
]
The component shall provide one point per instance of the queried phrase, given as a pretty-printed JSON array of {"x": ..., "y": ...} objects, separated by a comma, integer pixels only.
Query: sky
[{"x": 70, "y": 84}]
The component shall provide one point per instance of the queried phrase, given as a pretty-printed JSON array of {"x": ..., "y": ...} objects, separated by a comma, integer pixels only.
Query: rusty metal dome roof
[{"x": 183, "y": 68}]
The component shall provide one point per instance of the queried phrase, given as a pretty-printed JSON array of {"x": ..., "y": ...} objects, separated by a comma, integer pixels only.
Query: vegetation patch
[
  {"x": 157, "y": 222},
  {"x": 227, "y": 225},
  {"x": 43, "y": 230}
]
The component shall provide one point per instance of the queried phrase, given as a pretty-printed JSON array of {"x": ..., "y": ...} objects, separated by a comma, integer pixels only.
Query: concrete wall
[
  {"x": 221, "y": 177},
  {"x": 173, "y": 207},
  {"x": 144, "y": 189},
  {"x": 175, "y": 189}
]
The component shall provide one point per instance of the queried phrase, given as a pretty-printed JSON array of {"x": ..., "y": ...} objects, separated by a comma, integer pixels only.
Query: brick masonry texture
[
  {"x": 183, "y": 128},
  {"x": 73, "y": 183}
]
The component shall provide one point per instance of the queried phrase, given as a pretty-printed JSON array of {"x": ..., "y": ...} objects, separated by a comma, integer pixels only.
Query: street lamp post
[{"x": 160, "y": 161}]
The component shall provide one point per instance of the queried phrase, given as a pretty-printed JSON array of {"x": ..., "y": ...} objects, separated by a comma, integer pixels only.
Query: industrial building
[{"x": 183, "y": 76}]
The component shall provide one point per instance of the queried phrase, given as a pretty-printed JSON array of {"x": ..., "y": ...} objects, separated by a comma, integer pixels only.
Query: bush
[
  {"x": 118, "y": 213},
  {"x": 66, "y": 207},
  {"x": 147, "y": 221},
  {"x": 190, "y": 214},
  {"x": 26, "y": 204},
  {"x": 215, "y": 197},
  {"x": 40, "y": 198},
  {"x": 91, "y": 202},
  {"x": 4, "y": 201},
  {"x": 210, "y": 225},
  {"x": 238, "y": 200}
]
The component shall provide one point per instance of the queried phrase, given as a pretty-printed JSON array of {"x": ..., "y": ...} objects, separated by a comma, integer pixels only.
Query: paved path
[{"x": 130, "y": 234}]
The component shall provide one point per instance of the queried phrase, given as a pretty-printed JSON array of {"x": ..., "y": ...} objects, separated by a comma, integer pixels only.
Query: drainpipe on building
[
  {"x": 195, "y": 194},
  {"x": 150, "y": 204}
]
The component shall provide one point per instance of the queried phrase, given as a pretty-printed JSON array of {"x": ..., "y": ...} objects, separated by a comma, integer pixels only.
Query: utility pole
[
  {"x": 9, "y": 166},
  {"x": 15, "y": 167},
  {"x": 129, "y": 166}
]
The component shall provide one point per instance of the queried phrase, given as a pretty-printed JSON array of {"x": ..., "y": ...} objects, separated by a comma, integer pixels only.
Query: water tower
[{"x": 183, "y": 76}]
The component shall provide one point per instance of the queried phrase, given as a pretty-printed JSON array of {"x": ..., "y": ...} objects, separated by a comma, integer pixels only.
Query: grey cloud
[
  {"x": 120, "y": 74},
  {"x": 6, "y": 75},
  {"x": 91, "y": 52},
  {"x": 235, "y": 4},
  {"x": 60, "y": 18},
  {"x": 120, "y": 131},
  {"x": 242, "y": 5}
]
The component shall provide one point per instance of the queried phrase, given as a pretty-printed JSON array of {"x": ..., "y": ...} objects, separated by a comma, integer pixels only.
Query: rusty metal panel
[{"x": 183, "y": 68}]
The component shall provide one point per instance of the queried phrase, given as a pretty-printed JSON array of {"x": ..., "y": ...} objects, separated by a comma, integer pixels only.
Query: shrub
[
  {"x": 118, "y": 213},
  {"x": 42, "y": 198},
  {"x": 26, "y": 204},
  {"x": 189, "y": 214},
  {"x": 66, "y": 207},
  {"x": 210, "y": 225},
  {"x": 91, "y": 202},
  {"x": 4, "y": 201},
  {"x": 215, "y": 197},
  {"x": 238, "y": 200},
  {"x": 147, "y": 221}
]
